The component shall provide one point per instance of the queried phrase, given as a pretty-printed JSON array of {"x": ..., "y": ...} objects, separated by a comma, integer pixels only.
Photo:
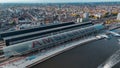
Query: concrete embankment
[
  {"x": 62, "y": 49},
  {"x": 32, "y": 60}
]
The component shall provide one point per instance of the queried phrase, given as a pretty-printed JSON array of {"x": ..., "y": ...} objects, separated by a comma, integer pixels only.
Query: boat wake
[{"x": 111, "y": 61}]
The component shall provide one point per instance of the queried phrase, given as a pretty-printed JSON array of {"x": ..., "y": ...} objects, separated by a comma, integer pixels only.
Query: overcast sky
[{"x": 52, "y": 1}]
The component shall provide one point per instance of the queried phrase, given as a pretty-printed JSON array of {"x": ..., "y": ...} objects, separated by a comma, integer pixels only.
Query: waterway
[{"x": 89, "y": 55}]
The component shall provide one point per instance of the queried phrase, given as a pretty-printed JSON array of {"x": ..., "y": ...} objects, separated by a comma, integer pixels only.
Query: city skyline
[{"x": 53, "y": 1}]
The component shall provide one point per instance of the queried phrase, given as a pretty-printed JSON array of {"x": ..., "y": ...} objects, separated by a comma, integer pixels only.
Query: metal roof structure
[{"x": 13, "y": 39}]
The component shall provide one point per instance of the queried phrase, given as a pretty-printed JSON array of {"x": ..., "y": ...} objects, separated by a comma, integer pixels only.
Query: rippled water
[{"x": 112, "y": 61}]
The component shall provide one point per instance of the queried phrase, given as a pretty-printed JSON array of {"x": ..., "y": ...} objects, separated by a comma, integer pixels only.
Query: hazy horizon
[{"x": 54, "y": 1}]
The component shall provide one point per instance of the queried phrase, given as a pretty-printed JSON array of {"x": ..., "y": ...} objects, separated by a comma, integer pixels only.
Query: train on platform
[{"x": 51, "y": 41}]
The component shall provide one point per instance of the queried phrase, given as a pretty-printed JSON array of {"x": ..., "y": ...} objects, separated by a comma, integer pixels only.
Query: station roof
[
  {"x": 40, "y": 33},
  {"x": 43, "y": 31}
]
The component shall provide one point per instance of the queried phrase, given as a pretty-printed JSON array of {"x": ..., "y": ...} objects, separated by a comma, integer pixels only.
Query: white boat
[{"x": 114, "y": 34}]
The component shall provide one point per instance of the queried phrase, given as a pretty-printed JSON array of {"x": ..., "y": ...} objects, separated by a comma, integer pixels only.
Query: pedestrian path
[{"x": 44, "y": 55}]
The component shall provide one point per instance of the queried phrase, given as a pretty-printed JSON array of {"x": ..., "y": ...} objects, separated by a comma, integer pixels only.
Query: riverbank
[{"x": 40, "y": 57}]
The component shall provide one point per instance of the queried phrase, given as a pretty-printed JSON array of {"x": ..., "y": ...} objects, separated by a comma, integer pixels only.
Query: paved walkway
[{"x": 44, "y": 55}]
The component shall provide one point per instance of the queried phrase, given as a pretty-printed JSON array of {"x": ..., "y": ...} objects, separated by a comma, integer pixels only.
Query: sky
[{"x": 52, "y": 1}]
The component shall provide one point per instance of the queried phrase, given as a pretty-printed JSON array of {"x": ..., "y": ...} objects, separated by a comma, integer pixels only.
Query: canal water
[{"x": 89, "y": 55}]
